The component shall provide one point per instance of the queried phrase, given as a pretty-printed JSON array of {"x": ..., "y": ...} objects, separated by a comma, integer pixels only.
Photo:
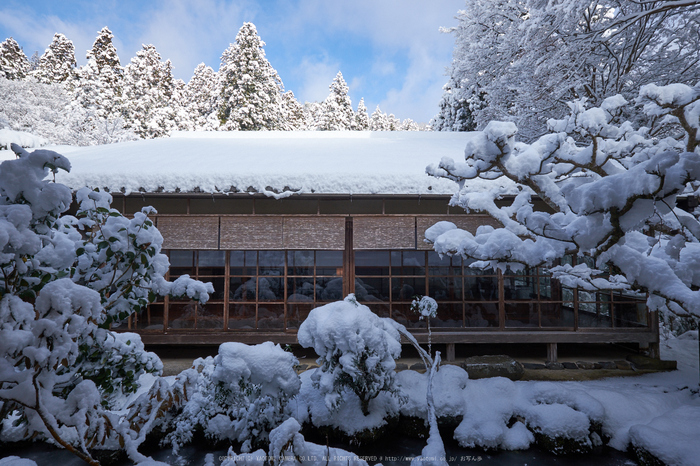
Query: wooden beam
[{"x": 643, "y": 337}]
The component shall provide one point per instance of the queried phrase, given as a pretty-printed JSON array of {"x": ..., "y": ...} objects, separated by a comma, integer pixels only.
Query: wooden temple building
[{"x": 281, "y": 223}]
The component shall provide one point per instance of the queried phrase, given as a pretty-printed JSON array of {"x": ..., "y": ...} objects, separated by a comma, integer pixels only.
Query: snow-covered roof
[{"x": 275, "y": 163}]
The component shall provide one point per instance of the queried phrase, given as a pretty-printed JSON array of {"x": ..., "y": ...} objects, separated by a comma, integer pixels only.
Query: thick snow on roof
[{"x": 274, "y": 163}]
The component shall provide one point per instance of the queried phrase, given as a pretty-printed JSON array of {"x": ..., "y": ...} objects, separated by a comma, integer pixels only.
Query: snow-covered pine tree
[
  {"x": 148, "y": 91},
  {"x": 361, "y": 117},
  {"x": 250, "y": 89},
  {"x": 99, "y": 83},
  {"x": 394, "y": 123},
  {"x": 337, "y": 108},
  {"x": 294, "y": 113},
  {"x": 409, "y": 125},
  {"x": 57, "y": 64},
  {"x": 13, "y": 62},
  {"x": 200, "y": 94},
  {"x": 312, "y": 114},
  {"x": 455, "y": 110},
  {"x": 379, "y": 121}
]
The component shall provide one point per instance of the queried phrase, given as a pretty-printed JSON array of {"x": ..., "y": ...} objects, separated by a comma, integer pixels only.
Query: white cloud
[
  {"x": 383, "y": 67},
  {"x": 189, "y": 32},
  {"x": 35, "y": 33},
  {"x": 316, "y": 77}
]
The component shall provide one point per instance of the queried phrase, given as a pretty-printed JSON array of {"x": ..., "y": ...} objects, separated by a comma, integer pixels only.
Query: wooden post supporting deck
[
  {"x": 551, "y": 352},
  {"x": 450, "y": 356}
]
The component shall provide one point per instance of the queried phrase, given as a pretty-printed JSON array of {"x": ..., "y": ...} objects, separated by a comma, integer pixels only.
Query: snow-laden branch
[{"x": 610, "y": 190}]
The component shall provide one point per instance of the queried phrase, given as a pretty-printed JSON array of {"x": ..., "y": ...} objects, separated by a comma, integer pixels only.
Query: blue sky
[{"x": 389, "y": 51}]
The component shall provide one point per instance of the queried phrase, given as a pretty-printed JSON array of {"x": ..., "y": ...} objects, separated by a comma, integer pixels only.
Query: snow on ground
[
  {"x": 657, "y": 412},
  {"x": 24, "y": 139},
  {"x": 352, "y": 162}
]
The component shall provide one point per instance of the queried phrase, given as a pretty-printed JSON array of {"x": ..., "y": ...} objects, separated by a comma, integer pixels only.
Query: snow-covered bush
[
  {"x": 612, "y": 194},
  {"x": 289, "y": 448},
  {"x": 239, "y": 395},
  {"x": 357, "y": 351},
  {"x": 51, "y": 112},
  {"x": 64, "y": 280}
]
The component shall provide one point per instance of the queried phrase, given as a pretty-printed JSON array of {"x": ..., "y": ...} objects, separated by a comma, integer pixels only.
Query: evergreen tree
[
  {"x": 455, "y": 110},
  {"x": 57, "y": 63},
  {"x": 337, "y": 108},
  {"x": 294, "y": 113},
  {"x": 200, "y": 94},
  {"x": 361, "y": 117},
  {"x": 100, "y": 81},
  {"x": 250, "y": 88},
  {"x": 379, "y": 121},
  {"x": 313, "y": 112},
  {"x": 409, "y": 125},
  {"x": 13, "y": 62},
  {"x": 148, "y": 92},
  {"x": 394, "y": 123}
]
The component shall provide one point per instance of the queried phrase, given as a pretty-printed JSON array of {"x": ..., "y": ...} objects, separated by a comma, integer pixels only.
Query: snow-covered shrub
[
  {"x": 64, "y": 280},
  {"x": 357, "y": 351},
  {"x": 240, "y": 395},
  {"x": 289, "y": 448},
  {"x": 51, "y": 112}
]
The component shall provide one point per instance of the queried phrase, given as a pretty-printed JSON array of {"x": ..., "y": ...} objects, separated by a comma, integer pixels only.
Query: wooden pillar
[
  {"x": 654, "y": 351},
  {"x": 450, "y": 352},
  {"x": 551, "y": 352}
]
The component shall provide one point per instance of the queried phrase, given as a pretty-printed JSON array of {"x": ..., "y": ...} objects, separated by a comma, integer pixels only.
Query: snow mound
[
  {"x": 21, "y": 138},
  {"x": 671, "y": 437}
]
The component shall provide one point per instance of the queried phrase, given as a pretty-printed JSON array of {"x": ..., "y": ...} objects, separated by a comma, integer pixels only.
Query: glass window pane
[
  {"x": 270, "y": 316},
  {"x": 151, "y": 317},
  {"x": 300, "y": 289},
  {"x": 445, "y": 288},
  {"x": 480, "y": 288},
  {"x": 297, "y": 313},
  {"x": 481, "y": 314},
  {"x": 594, "y": 314},
  {"x": 444, "y": 266},
  {"x": 408, "y": 262},
  {"x": 630, "y": 314},
  {"x": 556, "y": 315},
  {"x": 270, "y": 288},
  {"x": 241, "y": 317},
  {"x": 519, "y": 286},
  {"x": 521, "y": 315},
  {"x": 329, "y": 263},
  {"x": 181, "y": 263},
  {"x": 329, "y": 288},
  {"x": 219, "y": 292},
  {"x": 448, "y": 315},
  {"x": 372, "y": 289},
  {"x": 300, "y": 262},
  {"x": 271, "y": 262},
  {"x": 242, "y": 289},
  {"x": 371, "y": 262},
  {"x": 407, "y": 288},
  {"x": 379, "y": 308},
  {"x": 182, "y": 314},
  {"x": 210, "y": 316},
  {"x": 243, "y": 262},
  {"x": 403, "y": 314},
  {"x": 211, "y": 262}
]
